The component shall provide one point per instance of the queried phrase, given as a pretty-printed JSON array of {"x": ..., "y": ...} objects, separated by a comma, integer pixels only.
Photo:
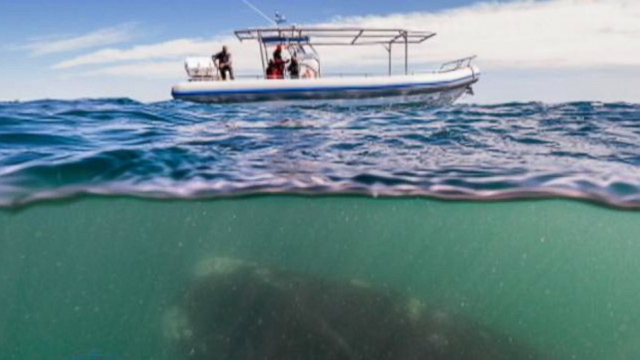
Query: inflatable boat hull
[{"x": 438, "y": 87}]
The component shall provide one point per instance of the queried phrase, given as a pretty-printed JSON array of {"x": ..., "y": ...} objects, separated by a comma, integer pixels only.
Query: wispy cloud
[
  {"x": 533, "y": 34},
  {"x": 520, "y": 34},
  {"x": 102, "y": 37},
  {"x": 150, "y": 70},
  {"x": 165, "y": 50}
]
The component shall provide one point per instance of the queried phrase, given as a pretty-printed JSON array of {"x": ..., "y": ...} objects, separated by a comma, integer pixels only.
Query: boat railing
[
  {"x": 218, "y": 78},
  {"x": 457, "y": 64},
  {"x": 342, "y": 75},
  {"x": 258, "y": 77},
  {"x": 327, "y": 75},
  {"x": 446, "y": 67}
]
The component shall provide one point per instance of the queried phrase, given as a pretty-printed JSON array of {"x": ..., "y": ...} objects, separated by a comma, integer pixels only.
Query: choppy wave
[{"x": 53, "y": 149}]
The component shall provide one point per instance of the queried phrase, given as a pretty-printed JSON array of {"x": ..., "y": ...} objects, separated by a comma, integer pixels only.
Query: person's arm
[{"x": 216, "y": 60}]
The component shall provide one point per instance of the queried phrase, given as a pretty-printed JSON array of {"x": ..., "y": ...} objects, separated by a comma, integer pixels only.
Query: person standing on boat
[
  {"x": 222, "y": 61},
  {"x": 272, "y": 70},
  {"x": 294, "y": 67},
  {"x": 280, "y": 63}
]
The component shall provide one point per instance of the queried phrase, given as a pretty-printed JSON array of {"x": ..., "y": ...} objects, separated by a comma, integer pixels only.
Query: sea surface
[{"x": 522, "y": 217}]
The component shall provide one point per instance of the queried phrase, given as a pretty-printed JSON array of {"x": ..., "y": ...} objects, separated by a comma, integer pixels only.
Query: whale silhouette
[{"x": 238, "y": 310}]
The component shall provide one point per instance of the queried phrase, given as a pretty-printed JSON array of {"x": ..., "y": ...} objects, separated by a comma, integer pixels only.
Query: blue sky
[
  {"x": 554, "y": 50},
  {"x": 185, "y": 17},
  {"x": 162, "y": 19}
]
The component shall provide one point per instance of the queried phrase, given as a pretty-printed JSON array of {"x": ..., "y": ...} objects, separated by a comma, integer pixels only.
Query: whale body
[{"x": 236, "y": 310}]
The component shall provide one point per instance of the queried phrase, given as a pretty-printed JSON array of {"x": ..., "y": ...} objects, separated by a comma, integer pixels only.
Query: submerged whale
[{"x": 239, "y": 310}]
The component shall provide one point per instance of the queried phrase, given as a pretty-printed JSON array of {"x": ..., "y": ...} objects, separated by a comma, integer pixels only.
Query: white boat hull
[{"x": 440, "y": 87}]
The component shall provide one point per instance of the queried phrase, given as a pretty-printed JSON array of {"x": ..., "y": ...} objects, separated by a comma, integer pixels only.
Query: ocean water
[{"x": 520, "y": 217}]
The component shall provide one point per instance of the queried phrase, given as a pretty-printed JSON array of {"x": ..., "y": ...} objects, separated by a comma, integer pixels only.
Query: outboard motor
[{"x": 309, "y": 67}]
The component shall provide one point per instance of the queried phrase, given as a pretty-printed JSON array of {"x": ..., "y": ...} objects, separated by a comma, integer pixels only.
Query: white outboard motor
[
  {"x": 309, "y": 67},
  {"x": 200, "y": 69}
]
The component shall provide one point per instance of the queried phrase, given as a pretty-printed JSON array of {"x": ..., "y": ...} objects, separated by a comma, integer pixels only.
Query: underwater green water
[{"x": 94, "y": 277}]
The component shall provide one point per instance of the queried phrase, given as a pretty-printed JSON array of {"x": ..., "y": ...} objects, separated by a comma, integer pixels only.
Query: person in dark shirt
[
  {"x": 294, "y": 67},
  {"x": 277, "y": 54},
  {"x": 222, "y": 61}
]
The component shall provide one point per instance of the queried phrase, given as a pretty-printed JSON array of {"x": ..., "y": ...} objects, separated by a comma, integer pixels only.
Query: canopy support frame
[{"x": 335, "y": 37}]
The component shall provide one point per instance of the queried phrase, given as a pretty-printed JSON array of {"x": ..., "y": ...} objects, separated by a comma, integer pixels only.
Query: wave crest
[{"x": 583, "y": 150}]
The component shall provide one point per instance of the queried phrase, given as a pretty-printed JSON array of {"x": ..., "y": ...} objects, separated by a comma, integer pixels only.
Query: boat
[{"x": 439, "y": 87}]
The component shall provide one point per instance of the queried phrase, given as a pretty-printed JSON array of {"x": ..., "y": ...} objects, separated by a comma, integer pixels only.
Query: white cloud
[
  {"x": 520, "y": 34},
  {"x": 101, "y": 37},
  {"x": 163, "y": 60},
  {"x": 165, "y": 50},
  {"x": 532, "y": 34},
  {"x": 152, "y": 70}
]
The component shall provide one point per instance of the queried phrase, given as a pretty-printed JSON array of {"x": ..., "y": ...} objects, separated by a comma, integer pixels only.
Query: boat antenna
[
  {"x": 254, "y": 8},
  {"x": 280, "y": 19}
]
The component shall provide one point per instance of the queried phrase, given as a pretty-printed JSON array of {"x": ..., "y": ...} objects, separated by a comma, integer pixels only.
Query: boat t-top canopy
[
  {"x": 329, "y": 36},
  {"x": 301, "y": 38}
]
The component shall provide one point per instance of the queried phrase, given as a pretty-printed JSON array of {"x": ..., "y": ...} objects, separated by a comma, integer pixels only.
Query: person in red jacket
[
  {"x": 272, "y": 70},
  {"x": 279, "y": 61}
]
